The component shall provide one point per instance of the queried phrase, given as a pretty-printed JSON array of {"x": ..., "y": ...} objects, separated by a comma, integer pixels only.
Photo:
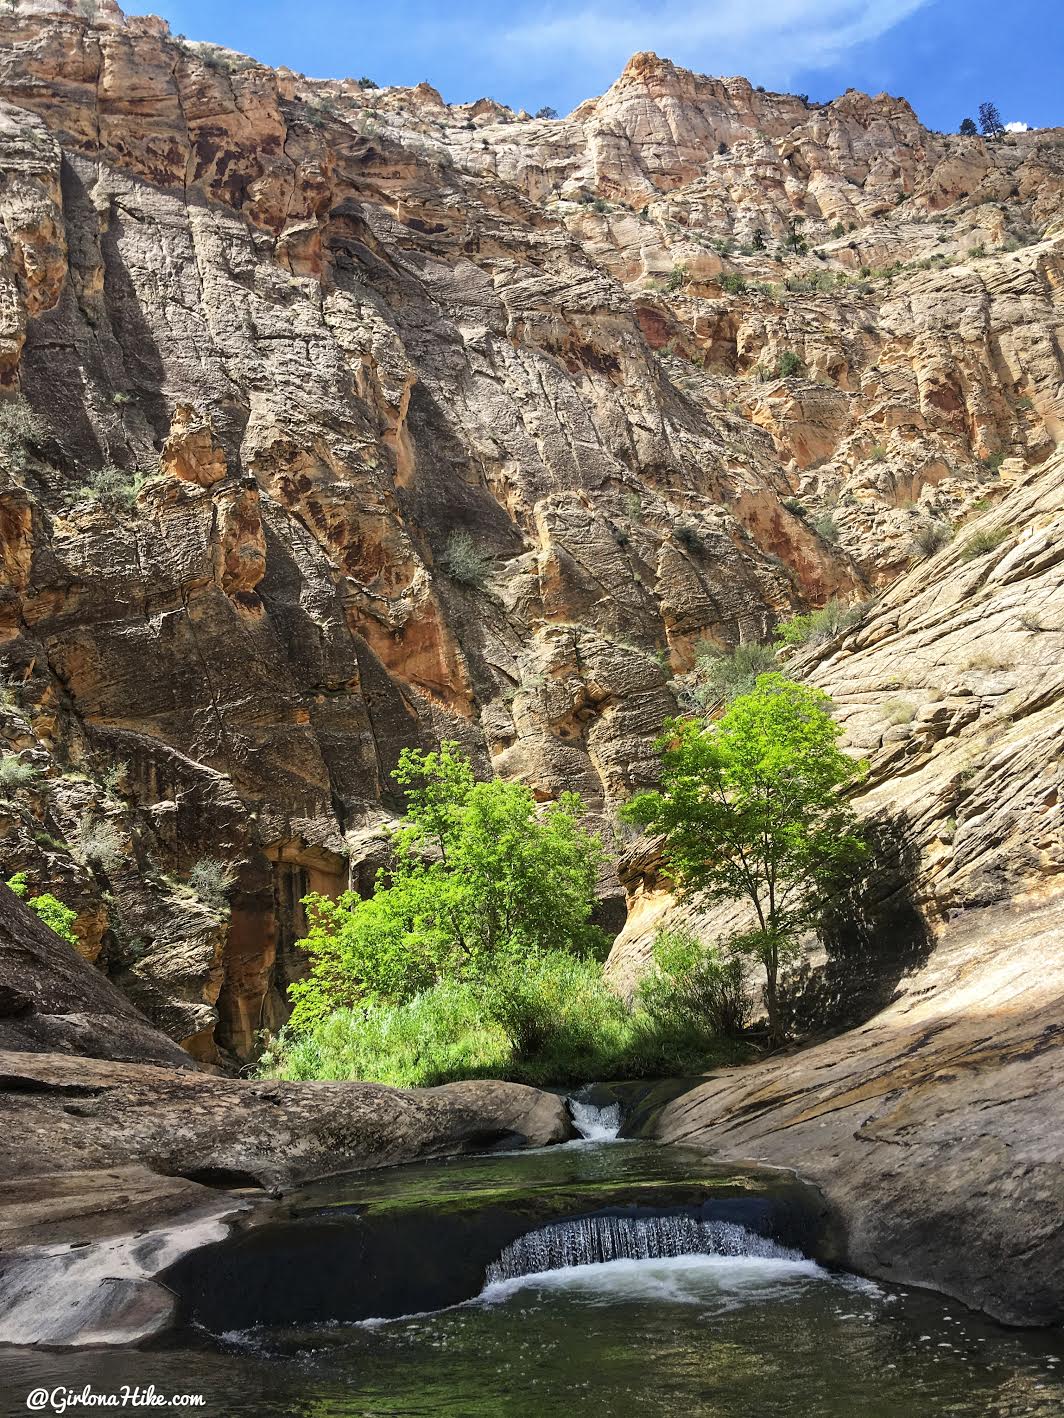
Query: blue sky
[{"x": 945, "y": 56}]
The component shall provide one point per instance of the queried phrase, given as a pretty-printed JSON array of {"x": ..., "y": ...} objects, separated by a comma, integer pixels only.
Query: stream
[{"x": 603, "y": 1277}]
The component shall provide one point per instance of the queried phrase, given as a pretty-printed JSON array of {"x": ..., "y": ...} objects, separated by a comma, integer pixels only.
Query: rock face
[
  {"x": 282, "y": 338},
  {"x": 118, "y": 1170},
  {"x": 934, "y": 1131}
]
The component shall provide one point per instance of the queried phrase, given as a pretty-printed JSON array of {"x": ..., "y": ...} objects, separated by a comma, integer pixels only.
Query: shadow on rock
[{"x": 873, "y": 932}]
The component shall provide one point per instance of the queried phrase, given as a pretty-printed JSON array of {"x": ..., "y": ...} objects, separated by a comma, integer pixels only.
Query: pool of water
[{"x": 766, "y": 1334}]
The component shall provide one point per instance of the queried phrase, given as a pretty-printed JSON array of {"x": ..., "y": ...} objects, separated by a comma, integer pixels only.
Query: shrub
[
  {"x": 788, "y": 364},
  {"x": 464, "y": 560},
  {"x": 15, "y": 774},
  {"x": 21, "y": 427},
  {"x": 899, "y": 711},
  {"x": 992, "y": 462},
  {"x": 930, "y": 537},
  {"x": 98, "y": 843},
  {"x": 113, "y": 488},
  {"x": 546, "y": 112},
  {"x": 694, "y": 988},
  {"x": 984, "y": 541},
  {"x": 826, "y": 527},
  {"x": 734, "y": 285},
  {"x": 688, "y": 537},
  {"x": 365, "y": 83},
  {"x": 877, "y": 453},
  {"x": 49, "y": 908},
  {"x": 814, "y": 627},
  {"x": 724, "y": 674},
  {"x": 677, "y": 277},
  {"x": 480, "y": 875},
  {"x": 211, "y": 880}
]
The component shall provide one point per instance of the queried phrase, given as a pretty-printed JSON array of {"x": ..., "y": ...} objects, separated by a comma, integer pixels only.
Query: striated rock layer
[{"x": 284, "y": 337}]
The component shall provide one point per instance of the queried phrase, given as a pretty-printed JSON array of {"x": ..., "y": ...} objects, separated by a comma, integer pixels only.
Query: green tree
[
  {"x": 968, "y": 127},
  {"x": 49, "y": 908},
  {"x": 481, "y": 878},
  {"x": 749, "y": 808},
  {"x": 990, "y": 120}
]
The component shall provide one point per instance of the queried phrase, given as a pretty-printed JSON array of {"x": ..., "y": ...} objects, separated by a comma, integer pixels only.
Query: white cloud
[
  {"x": 768, "y": 41},
  {"x": 1017, "y": 127}
]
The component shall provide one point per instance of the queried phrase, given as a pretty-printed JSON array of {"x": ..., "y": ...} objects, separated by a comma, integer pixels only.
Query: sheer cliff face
[{"x": 336, "y": 325}]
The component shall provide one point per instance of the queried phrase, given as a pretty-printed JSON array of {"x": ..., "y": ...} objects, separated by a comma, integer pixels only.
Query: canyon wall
[{"x": 338, "y": 419}]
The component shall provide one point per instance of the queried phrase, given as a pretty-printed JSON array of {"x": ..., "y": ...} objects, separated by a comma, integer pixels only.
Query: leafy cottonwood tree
[
  {"x": 749, "y": 808},
  {"x": 481, "y": 879}
]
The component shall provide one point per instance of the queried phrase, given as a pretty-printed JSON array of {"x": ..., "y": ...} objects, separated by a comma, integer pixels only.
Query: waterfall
[
  {"x": 589, "y": 1240},
  {"x": 595, "y": 1124}
]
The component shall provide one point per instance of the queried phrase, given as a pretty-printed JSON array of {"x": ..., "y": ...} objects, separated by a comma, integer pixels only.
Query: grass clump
[
  {"x": 982, "y": 542},
  {"x": 464, "y": 560}
]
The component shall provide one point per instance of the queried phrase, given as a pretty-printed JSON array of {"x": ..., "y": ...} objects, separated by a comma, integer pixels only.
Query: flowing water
[{"x": 602, "y": 1278}]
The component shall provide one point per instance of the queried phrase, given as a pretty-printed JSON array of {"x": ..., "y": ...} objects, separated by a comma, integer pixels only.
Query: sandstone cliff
[{"x": 268, "y": 343}]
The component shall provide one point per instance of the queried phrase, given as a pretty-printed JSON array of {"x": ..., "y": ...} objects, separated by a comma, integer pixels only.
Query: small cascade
[
  {"x": 595, "y": 1124},
  {"x": 590, "y": 1240}
]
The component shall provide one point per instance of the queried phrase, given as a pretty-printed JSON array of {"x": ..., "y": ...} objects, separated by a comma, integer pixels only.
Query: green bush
[
  {"x": 694, "y": 989},
  {"x": 21, "y": 428},
  {"x": 930, "y": 537},
  {"x": 982, "y": 542},
  {"x": 814, "y": 627},
  {"x": 677, "y": 278},
  {"x": 480, "y": 876},
  {"x": 724, "y": 674},
  {"x": 464, "y": 560},
  {"x": 113, "y": 488},
  {"x": 49, "y": 908},
  {"x": 548, "y": 1019},
  {"x": 15, "y": 774},
  {"x": 826, "y": 527},
  {"x": 733, "y": 285},
  {"x": 211, "y": 880},
  {"x": 788, "y": 364}
]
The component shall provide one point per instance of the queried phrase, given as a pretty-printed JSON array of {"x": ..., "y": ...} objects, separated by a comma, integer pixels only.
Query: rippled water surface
[{"x": 703, "y": 1336}]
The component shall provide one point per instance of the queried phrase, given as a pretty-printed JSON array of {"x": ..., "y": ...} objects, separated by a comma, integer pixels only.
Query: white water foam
[
  {"x": 595, "y": 1124},
  {"x": 590, "y": 1240},
  {"x": 713, "y": 1282}
]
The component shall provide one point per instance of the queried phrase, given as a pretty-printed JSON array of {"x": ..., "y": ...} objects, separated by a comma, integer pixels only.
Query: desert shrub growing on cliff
[
  {"x": 15, "y": 773},
  {"x": 930, "y": 537},
  {"x": 788, "y": 364},
  {"x": 98, "y": 843},
  {"x": 749, "y": 808},
  {"x": 984, "y": 541},
  {"x": 827, "y": 527},
  {"x": 212, "y": 881},
  {"x": 725, "y": 674},
  {"x": 813, "y": 627},
  {"x": 112, "y": 487},
  {"x": 21, "y": 428},
  {"x": 464, "y": 560}
]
